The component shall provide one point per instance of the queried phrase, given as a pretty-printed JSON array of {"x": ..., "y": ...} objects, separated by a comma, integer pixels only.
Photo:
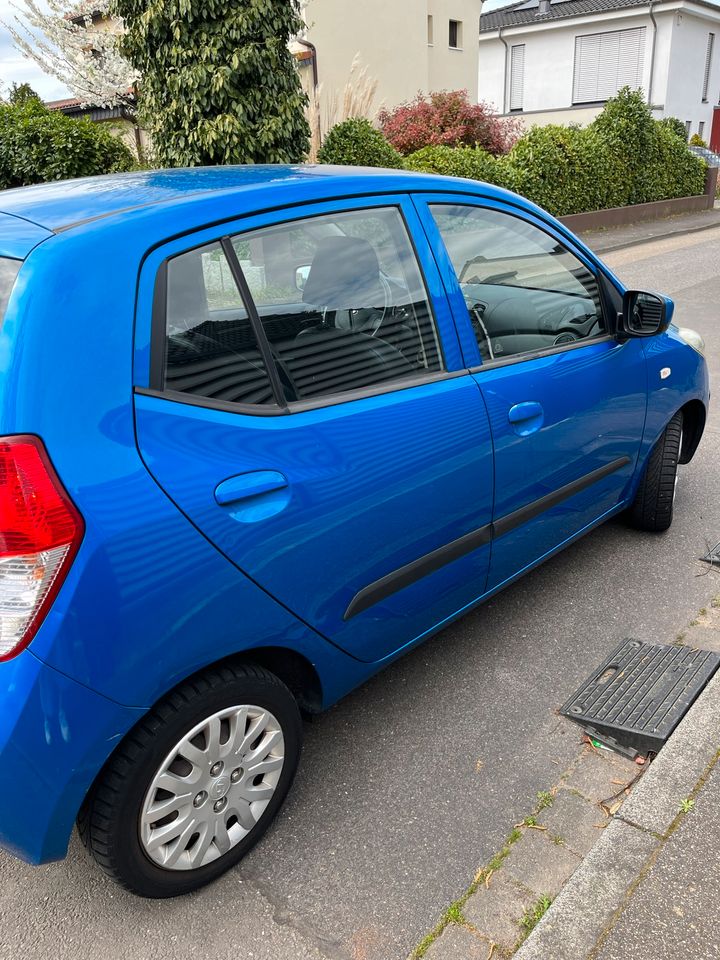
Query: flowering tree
[
  {"x": 447, "y": 118},
  {"x": 78, "y": 49}
]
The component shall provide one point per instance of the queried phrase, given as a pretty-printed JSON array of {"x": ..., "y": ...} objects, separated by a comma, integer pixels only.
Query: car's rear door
[
  {"x": 301, "y": 396},
  {"x": 566, "y": 399}
]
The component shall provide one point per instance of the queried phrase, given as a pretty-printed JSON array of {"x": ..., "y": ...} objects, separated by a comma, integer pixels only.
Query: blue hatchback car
[{"x": 262, "y": 430}]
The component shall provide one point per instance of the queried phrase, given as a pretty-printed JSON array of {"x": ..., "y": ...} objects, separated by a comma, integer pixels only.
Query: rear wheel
[
  {"x": 652, "y": 508},
  {"x": 196, "y": 784}
]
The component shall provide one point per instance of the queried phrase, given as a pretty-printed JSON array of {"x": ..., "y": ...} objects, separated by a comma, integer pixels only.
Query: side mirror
[
  {"x": 301, "y": 276},
  {"x": 645, "y": 314}
]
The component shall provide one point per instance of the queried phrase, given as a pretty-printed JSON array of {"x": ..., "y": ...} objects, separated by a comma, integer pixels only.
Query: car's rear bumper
[{"x": 55, "y": 734}]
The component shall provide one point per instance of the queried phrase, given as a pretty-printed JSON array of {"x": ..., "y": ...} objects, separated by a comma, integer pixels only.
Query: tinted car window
[
  {"x": 211, "y": 348},
  {"x": 523, "y": 289},
  {"x": 341, "y": 301},
  {"x": 8, "y": 274}
]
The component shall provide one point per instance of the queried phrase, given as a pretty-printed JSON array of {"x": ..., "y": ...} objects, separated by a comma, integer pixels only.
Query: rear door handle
[
  {"x": 245, "y": 486},
  {"x": 526, "y": 417}
]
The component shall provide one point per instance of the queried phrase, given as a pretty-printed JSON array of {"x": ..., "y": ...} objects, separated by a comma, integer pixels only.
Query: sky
[{"x": 14, "y": 68}]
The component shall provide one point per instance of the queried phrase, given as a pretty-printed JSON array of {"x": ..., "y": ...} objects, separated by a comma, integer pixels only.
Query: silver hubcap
[{"x": 212, "y": 788}]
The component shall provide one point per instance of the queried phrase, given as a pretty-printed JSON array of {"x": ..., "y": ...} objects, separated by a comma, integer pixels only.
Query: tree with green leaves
[
  {"x": 219, "y": 84},
  {"x": 22, "y": 93}
]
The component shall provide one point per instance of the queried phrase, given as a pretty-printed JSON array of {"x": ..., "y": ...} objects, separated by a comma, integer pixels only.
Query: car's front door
[
  {"x": 566, "y": 400},
  {"x": 306, "y": 405}
]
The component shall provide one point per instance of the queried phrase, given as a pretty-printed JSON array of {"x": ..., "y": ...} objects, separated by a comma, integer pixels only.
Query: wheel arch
[{"x": 694, "y": 417}]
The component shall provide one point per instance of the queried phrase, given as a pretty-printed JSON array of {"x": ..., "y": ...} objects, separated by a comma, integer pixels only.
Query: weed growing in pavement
[
  {"x": 557, "y": 839},
  {"x": 687, "y": 804},
  {"x": 534, "y": 914},
  {"x": 545, "y": 799},
  {"x": 715, "y": 602}
]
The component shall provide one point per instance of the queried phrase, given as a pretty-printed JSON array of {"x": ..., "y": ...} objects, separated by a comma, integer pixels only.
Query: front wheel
[
  {"x": 196, "y": 783},
  {"x": 652, "y": 508}
]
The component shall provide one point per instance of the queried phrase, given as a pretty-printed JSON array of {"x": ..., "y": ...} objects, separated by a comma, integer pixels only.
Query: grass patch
[
  {"x": 558, "y": 840},
  {"x": 534, "y": 914},
  {"x": 545, "y": 799}
]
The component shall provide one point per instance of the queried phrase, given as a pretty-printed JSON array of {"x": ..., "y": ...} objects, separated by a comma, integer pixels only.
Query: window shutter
[
  {"x": 708, "y": 64},
  {"x": 517, "y": 76},
  {"x": 606, "y": 62}
]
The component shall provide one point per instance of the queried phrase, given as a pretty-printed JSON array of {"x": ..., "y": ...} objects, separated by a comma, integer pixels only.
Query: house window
[
  {"x": 430, "y": 30},
  {"x": 606, "y": 62},
  {"x": 708, "y": 64},
  {"x": 455, "y": 35},
  {"x": 517, "y": 76},
  {"x": 688, "y": 127},
  {"x": 701, "y": 129}
]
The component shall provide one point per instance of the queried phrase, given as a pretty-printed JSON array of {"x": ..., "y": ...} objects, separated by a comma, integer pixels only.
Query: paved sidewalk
[
  {"x": 617, "y": 238},
  {"x": 650, "y": 887},
  {"x": 629, "y": 853}
]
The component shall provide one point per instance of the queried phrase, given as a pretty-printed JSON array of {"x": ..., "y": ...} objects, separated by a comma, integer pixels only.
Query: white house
[{"x": 558, "y": 61}]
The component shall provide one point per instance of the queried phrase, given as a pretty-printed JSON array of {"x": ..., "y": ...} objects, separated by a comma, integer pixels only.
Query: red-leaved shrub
[{"x": 447, "y": 118}]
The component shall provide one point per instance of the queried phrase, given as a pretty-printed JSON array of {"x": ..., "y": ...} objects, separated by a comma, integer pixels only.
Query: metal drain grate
[
  {"x": 713, "y": 556},
  {"x": 636, "y": 698}
]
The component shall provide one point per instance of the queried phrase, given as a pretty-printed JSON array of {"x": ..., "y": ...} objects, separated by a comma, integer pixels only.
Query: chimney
[{"x": 543, "y": 8}]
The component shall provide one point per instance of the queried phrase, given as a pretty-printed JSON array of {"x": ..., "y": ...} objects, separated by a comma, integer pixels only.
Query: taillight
[{"x": 40, "y": 532}]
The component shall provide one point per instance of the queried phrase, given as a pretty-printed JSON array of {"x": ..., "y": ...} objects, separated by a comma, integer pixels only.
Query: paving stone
[
  {"x": 457, "y": 943},
  {"x": 540, "y": 864},
  {"x": 571, "y": 927},
  {"x": 593, "y": 775},
  {"x": 496, "y": 910},
  {"x": 573, "y": 818}
]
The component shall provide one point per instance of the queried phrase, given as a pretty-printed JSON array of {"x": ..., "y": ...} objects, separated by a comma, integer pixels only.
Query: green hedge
[
  {"x": 623, "y": 157},
  {"x": 357, "y": 142},
  {"x": 37, "y": 144}
]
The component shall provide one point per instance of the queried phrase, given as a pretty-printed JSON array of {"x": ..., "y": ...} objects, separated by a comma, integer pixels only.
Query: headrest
[{"x": 344, "y": 275}]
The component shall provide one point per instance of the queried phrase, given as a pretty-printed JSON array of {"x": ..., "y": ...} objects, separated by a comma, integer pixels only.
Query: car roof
[{"x": 60, "y": 205}]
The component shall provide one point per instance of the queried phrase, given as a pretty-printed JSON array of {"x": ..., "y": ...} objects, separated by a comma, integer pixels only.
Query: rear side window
[
  {"x": 211, "y": 347},
  {"x": 337, "y": 301},
  {"x": 8, "y": 274}
]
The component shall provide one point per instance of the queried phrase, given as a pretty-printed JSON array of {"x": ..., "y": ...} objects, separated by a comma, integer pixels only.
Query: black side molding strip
[
  {"x": 531, "y": 510},
  {"x": 411, "y": 572}
]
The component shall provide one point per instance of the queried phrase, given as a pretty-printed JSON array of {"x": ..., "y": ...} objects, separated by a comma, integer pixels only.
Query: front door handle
[
  {"x": 245, "y": 486},
  {"x": 526, "y": 417}
]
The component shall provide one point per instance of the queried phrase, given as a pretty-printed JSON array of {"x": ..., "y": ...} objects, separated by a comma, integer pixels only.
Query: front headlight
[{"x": 693, "y": 339}]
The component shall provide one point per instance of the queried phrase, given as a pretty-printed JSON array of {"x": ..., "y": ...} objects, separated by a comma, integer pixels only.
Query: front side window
[
  {"x": 523, "y": 289},
  {"x": 338, "y": 302}
]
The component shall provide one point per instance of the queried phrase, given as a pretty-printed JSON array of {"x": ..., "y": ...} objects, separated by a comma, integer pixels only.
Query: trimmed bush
[
  {"x": 697, "y": 141},
  {"x": 676, "y": 126},
  {"x": 565, "y": 170},
  {"x": 623, "y": 157},
  {"x": 37, "y": 144},
  {"x": 447, "y": 118},
  {"x": 470, "y": 162},
  {"x": 356, "y": 142}
]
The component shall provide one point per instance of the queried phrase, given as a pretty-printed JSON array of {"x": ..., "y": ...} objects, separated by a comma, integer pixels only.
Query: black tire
[
  {"x": 109, "y": 822},
  {"x": 652, "y": 508}
]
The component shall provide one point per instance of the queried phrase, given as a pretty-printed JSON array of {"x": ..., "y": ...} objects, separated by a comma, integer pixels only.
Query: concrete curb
[
  {"x": 599, "y": 249},
  {"x": 597, "y": 891}
]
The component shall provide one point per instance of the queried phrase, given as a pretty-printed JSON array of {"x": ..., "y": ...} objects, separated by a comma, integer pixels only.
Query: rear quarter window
[{"x": 8, "y": 274}]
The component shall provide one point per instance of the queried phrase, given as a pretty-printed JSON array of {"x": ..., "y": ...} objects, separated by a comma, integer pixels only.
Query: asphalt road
[{"x": 412, "y": 782}]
